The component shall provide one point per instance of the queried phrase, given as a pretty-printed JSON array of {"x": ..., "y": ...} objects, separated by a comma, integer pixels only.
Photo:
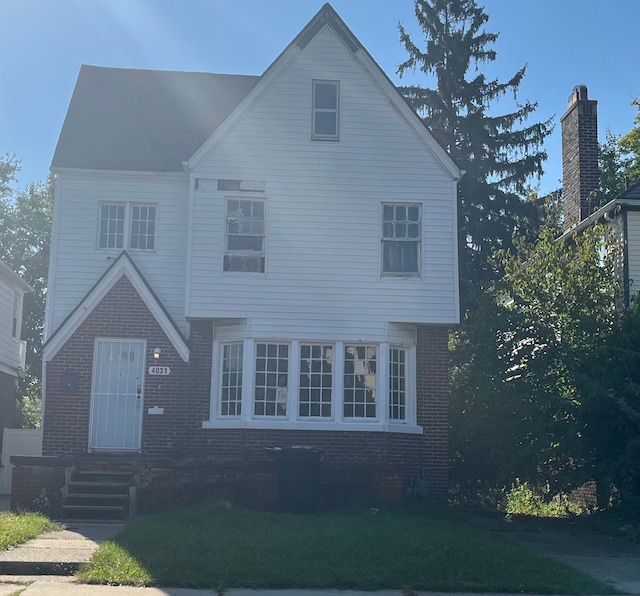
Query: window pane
[
  {"x": 400, "y": 257},
  {"x": 271, "y": 390},
  {"x": 142, "y": 227},
  {"x": 244, "y": 234},
  {"x": 326, "y": 96},
  {"x": 360, "y": 381},
  {"x": 231, "y": 388},
  {"x": 397, "y": 384},
  {"x": 401, "y": 235},
  {"x": 316, "y": 362},
  {"x": 111, "y": 226},
  {"x": 326, "y": 123}
]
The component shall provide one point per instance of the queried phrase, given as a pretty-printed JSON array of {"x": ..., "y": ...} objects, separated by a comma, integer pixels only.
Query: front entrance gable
[{"x": 122, "y": 266}]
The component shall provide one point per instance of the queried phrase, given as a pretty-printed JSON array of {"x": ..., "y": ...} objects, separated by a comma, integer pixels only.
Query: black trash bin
[{"x": 298, "y": 477}]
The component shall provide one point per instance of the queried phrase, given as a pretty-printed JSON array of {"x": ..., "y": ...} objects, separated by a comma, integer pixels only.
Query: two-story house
[
  {"x": 12, "y": 348},
  {"x": 242, "y": 262}
]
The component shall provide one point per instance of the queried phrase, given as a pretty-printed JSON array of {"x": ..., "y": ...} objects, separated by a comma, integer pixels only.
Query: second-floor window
[
  {"x": 326, "y": 111},
  {"x": 127, "y": 226},
  {"x": 244, "y": 235},
  {"x": 401, "y": 235}
]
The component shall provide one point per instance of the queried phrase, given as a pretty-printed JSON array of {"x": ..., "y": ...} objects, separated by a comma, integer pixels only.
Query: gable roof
[
  {"x": 123, "y": 265},
  {"x": 148, "y": 120},
  {"x": 328, "y": 17}
]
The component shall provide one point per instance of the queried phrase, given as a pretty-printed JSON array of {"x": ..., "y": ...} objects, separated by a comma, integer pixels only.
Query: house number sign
[{"x": 160, "y": 370}]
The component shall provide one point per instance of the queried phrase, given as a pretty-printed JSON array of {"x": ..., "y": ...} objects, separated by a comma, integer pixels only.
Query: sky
[{"x": 564, "y": 43}]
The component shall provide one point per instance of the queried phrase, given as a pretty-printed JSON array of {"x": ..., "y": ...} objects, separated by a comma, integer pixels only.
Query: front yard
[{"x": 218, "y": 547}]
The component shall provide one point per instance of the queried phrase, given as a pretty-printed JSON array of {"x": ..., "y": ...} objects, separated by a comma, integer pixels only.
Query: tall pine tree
[{"x": 499, "y": 155}]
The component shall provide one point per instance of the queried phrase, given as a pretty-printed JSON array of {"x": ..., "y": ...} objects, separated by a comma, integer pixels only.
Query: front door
[{"x": 117, "y": 394}]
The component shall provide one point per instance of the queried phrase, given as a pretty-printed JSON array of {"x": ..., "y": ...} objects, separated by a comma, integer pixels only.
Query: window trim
[
  {"x": 293, "y": 421},
  {"x": 127, "y": 226},
  {"x": 418, "y": 241},
  {"x": 315, "y": 136},
  {"x": 227, "y": 253}
]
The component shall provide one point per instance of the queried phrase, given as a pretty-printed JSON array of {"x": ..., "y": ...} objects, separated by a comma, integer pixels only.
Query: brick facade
[
  {"x": 383, "y": 462},
  {"x": 580, "y": 171}
]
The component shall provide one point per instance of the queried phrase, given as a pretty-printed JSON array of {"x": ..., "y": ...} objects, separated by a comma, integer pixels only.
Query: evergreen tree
[{"x": 499, "y": 156}]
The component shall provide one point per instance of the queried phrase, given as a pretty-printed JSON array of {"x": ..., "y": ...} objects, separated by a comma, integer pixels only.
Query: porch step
[{"x": 98, "y": 495}]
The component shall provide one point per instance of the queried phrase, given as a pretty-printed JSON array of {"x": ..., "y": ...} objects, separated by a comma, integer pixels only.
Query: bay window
[{"x": 320, "y": 385}]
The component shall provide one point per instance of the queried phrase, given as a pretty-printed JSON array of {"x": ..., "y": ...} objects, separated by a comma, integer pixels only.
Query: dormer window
[{"x": 326, "y": 111}]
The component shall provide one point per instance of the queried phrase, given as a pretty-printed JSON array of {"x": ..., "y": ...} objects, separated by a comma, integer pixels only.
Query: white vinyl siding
[
  {"x": 76, "y": 265},
  {"x": 323, "y": 277},
  {"x": 633, "y": 248},
  {"x": 10, "y": 322}
]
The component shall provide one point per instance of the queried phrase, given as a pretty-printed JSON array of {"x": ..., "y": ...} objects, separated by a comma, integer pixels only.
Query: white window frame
[
  {"x": 319, "y": 136},
  {"x": 218, "y": 358},
  {"x": 244, "y": 254},
  {"x": 385, "y": 239},
  {"x": 127, "y": 226},
  {"x": 293, "y": 421},
  {"x": 16, "y": 322}
]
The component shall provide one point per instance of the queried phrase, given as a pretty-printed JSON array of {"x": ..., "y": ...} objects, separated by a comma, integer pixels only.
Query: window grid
[
  {"x": 231, "y": 387},
  {"x": 16, "y": 315},
  {"x": 325, "y": 110},
  {"x": 401, "y": 226},
  {"x": 244, "y": 248},
  {"x": 271, "y": 379},
  {"x": 397, "y": 384},
  {"x": 143, "y": 227},
  {"x": 111, "y": 226},
  {"x": 316, "y": 380},
  {"x": 360, "y": 381}
]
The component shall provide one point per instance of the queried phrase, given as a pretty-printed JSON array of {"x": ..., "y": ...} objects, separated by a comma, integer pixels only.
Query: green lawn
[
  {"x": 19, "y": 527},
  {"x": 214, "y": 547}
]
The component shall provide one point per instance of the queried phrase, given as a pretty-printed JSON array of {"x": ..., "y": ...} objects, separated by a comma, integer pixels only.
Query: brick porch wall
[{"x": 391, "y": 459}]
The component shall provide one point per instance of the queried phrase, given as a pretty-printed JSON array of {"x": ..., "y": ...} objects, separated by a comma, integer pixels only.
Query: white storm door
[{"x": 117, "y": 394}]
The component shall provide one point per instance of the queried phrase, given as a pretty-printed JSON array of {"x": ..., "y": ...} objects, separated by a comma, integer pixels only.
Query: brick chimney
[{"x": 580, "y": 173}]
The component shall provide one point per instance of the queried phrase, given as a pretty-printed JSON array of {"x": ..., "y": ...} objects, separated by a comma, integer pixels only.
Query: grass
[
  {"x": 16, "y": 528},
  {"x": 214, "y": 547}
]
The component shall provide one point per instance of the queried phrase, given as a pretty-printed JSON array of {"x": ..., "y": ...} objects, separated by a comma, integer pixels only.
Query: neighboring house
[
  {"x": 12, "y": 348},
  {"x": 581, "y": 183},
  {"x": 243, "y": 262}
]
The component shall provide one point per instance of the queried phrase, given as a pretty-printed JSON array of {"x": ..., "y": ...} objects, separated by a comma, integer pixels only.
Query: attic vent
[{"x": 244, "y": 185}]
